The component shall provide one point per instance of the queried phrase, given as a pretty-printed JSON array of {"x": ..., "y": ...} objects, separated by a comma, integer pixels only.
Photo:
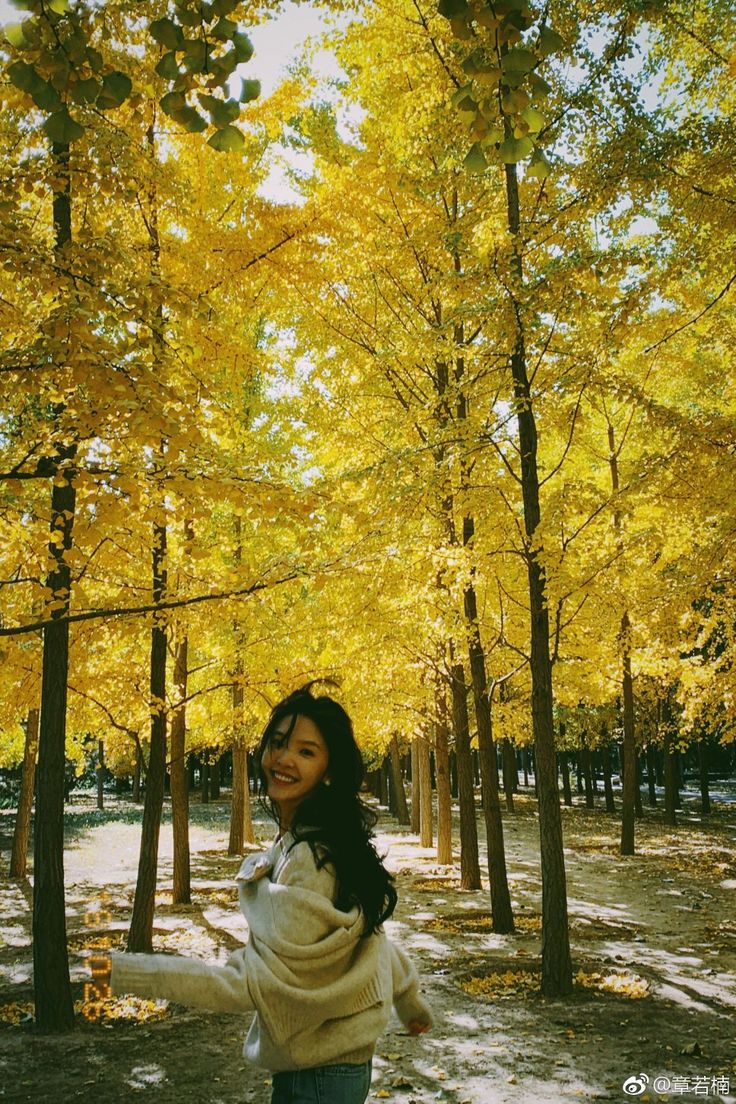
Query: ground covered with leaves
[{"x": 654, "y": 946}]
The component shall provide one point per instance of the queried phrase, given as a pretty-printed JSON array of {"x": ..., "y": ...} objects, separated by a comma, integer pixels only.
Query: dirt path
[{"x": 662, "y": 921}]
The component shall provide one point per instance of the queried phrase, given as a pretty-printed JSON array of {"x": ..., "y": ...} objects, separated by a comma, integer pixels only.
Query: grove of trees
[{"x": 455, "y": 423}]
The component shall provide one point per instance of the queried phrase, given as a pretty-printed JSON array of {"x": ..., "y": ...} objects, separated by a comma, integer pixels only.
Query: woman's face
[{"x": 294, "y": 766}]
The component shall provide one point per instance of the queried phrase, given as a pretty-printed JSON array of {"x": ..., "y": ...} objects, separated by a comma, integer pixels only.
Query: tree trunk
[
  {"x": 137, "y": 772},
  {"x": 444, "y": 798},
  {"x": 679, "y": 780},
  {"x": 670, "y": 785},
  {"x": 651, "y": 774},
  {"x": 469, "y": 863},
  {"x": 501, "y": 911},
  {"x": 52, "y": 990},
  {"x": 565, "y": 767},
  {"x": 638, "y": 810},
  {"x": 584, "y": 753},
  {"x": 415, "y": 788},
  {"x": 100, "y": 774},
  {"x": 510, "y": 779},
  {"x": 241, "y": 814},
  {"x": 556, "y": 962},
  {"x": 215, "y": 777},
  {"x": 397, "y": 783},
  {"x": 426, "y": 834},
  {"x": 383, "y": 783},
  {"x": 607, "y": 783},
  {"x": 525, "y": 765},
  {"x": 453, "y": 775},
  {"x": 182, "y": 887},
  {"x": 703, "y": 768},
  {"x": 141, "y": 926},
  {"x": 21, "y": 831}
]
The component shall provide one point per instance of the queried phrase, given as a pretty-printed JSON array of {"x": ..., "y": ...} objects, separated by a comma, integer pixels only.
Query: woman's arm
[
  {"x": 185, "y": 980},
  {"x": 412, "y": 1008}
]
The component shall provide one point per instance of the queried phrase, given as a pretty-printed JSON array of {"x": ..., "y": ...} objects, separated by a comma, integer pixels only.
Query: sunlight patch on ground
[{"x": 145, "y": 1077}]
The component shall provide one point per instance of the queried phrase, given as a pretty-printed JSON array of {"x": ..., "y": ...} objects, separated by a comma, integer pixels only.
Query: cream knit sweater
[{"x": 321, "y": 994}]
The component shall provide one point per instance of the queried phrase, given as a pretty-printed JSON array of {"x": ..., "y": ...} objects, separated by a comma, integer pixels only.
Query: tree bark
[
  {"x": 501, "y": 911},
  {"x": 565, "y": 767},
  {"x": 426, "y": 833},
  {"x": 140, "y": 937},
  {"x": 22, "y": 828},
  {"x": 415, "y": 789},
  {"x": 652, "y": 773},
  {"x": 137, "y": 772},
  {"x": 182, "y": 887},
  {"x": 100, "y": 774},
  {"x": 670, "y": 785},
  {"x": 607, "y": 783},
  {"x": 383, "y": 783},
  {"x": 52, "y": 989},
  {"x": 703, "y": 756},
  {"x": 556, "y": 961},
  {"x": 397, "y": 783},
  {"x": 585, "y": 764},
  {"x": 469, "y": 863},
  {"x": 215, "y": 777},
  {"x": 510, "y": 778}
]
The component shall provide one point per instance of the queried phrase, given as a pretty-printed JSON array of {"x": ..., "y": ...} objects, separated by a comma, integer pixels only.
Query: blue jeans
[{"x": 338, "y": 1084}]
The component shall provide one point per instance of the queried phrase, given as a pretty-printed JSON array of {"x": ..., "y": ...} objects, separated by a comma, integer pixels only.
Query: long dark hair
[{"x": 334, "y": 821}]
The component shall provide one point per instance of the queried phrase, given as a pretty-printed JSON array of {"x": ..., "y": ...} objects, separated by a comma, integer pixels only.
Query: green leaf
[
  {"x": 513, "y": 103},
  {"x": 475, "y": 161},
  {"x": 221, "y": 112},
  {"x": 533, "y": 119},
  {"x": 47, "y": 98},
  {"x": 15, "y": 35},
  {"x": 515, "y": 149},
  {"x": 188, "y": 16},
  {"x": 249, "y": 90},
  {"x": 173, "y": 102},
  {"x": 461, "y": 94},
  {"x": 86, "y": 91},
  {"x": 224, "y": 29},
  {"x": 224, "y": 7},
  {"x": 62, "y": 129},
  {"x": 95, "y": 59},
  {"x": 222, "y": 66},
  {"x": 518, "y": 60},
  {"x": 452, "y": 8},
  {"x": 538, "y": 168},
  {"x": 494, "y": 137},
  {"x": 539, "y": 87},
  {"x": 167, "y": 66},
  {"x": 116, "y": 87},
  {"x": 25, "y": 77},
  {"x": 550, "y": 42},
  {"x": 227, "y": 140},
  {"x": 168, "y": 33},
  {"x": 195, "y": 55},
  {"x": 243, "y": 46},
  {"x": 60, "y": 7},
  {"x": 190, "y": 119}
]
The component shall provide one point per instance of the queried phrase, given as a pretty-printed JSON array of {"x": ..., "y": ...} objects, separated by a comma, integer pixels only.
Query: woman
[{"x": 317, "y": 969}]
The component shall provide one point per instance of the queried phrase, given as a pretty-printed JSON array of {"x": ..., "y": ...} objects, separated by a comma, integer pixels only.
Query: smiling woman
[
  {"x": 294, "y": 763},
  {"x": 318, "y": 970}
]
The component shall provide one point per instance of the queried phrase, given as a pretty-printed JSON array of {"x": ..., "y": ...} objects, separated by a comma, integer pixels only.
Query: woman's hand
[{"x": 418, "y": 1027}]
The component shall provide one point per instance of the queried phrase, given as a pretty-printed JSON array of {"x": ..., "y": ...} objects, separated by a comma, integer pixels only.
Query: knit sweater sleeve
[
  {"x": 408, "y": 1001},
  {"x": 185, "y": 980}
]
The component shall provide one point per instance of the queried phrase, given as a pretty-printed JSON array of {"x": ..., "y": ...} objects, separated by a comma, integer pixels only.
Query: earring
[{"x": 328, "y": 781}]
